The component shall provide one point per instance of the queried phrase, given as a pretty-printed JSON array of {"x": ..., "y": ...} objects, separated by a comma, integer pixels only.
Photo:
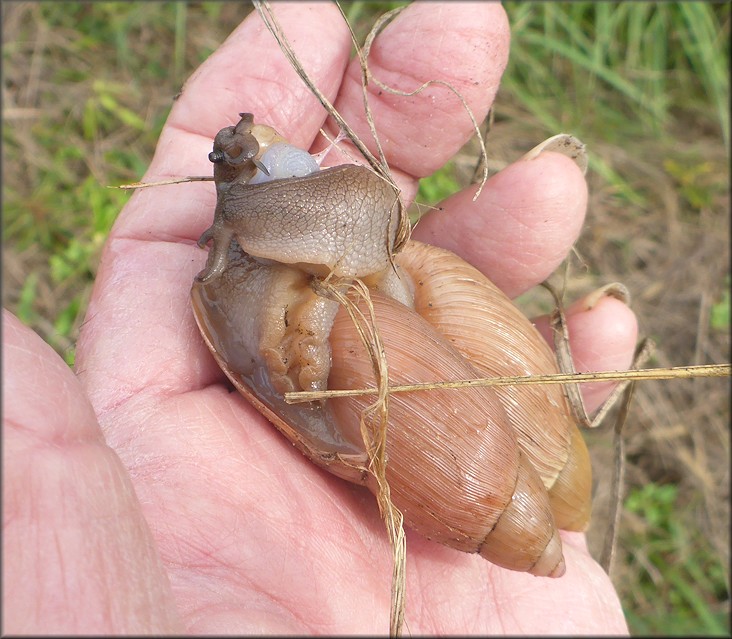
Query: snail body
[
  {"x": 461, "y": 465},
  {"x": 314, "y": 221}
]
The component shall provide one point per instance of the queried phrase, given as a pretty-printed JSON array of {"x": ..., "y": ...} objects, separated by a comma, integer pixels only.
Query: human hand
[{"x": 145, "y": 497}]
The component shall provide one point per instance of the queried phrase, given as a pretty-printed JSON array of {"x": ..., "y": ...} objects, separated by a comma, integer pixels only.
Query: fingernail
[{"x": 565, "y": 144}]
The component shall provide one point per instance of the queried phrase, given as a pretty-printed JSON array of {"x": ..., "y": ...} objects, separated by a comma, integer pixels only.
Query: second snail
[{"x": 489, "y": 471}]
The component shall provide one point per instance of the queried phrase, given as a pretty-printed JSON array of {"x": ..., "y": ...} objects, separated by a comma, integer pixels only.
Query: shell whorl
[{"x": 284, "y": 160}]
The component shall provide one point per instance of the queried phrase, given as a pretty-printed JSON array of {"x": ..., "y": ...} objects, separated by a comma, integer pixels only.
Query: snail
[
  {"x": 307, "y": 235},
  {"x": 489, "y": 471}
]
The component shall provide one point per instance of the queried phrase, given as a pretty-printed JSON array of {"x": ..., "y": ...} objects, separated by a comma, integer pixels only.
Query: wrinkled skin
[{"x": 142, "y": 496}]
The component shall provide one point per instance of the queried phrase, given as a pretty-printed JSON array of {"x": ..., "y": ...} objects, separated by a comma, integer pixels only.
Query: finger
[
  {"x": 77, "y": 550},
  {"x": 603, "y": 334},
  {"x": 522, "y": 225},
  {"x": 465, "y": 44}
]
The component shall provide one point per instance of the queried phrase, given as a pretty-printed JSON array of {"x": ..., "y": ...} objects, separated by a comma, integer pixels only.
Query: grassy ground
[{"x": 87, "y": 88}]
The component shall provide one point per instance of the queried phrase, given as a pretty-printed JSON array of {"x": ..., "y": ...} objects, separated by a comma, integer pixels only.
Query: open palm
[{"x": 143, "y": 495}]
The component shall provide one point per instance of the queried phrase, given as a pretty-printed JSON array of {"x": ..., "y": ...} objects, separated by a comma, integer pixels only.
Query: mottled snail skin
[
  {"x": 462, "y": 466},
  {"x": 316, "y": 222}
]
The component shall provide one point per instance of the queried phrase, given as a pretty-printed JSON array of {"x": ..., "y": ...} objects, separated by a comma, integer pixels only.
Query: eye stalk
[
  {"x": 235, "y": 146},
  {"x": 242, "y": 148},
  {"x": 216, "y": 157}
]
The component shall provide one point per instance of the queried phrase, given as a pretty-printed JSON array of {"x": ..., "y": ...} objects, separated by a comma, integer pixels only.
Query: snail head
[{"x": 233, "y": 151}]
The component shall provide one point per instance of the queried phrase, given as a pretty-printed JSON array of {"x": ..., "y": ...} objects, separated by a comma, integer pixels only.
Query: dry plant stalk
[
  {"x": 373, "y": 425},
  {"x": 392, "y": 516},
  {"x": 374, "y": 435},
  {"x": 181, "y": 180},
  {"x": 367, "y": 76},
  {"x": 674, "y": 372}
]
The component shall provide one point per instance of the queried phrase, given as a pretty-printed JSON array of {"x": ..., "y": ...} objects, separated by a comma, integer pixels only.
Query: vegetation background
[{"x": 87, "y": 88}]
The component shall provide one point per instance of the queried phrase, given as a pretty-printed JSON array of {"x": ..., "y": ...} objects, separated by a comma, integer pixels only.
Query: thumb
[{"x": 79, "y": 557}]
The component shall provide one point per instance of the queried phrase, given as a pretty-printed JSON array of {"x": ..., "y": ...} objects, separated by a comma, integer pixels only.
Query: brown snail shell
[
  {"x": 469, "y": 469},
  {"x": 454, "y": 469},
  {"x": 500, "y": 341},
  {"x": 453, "y": 465}
]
